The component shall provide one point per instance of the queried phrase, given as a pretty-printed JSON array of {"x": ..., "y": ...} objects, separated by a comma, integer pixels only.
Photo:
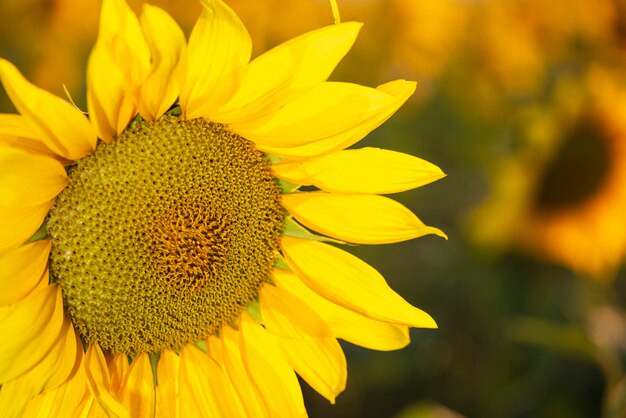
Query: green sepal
[
  {"x": 287, "y": 186},
  {"x": 175, "y": 111},
  {"x": 294, "y": 229},
  {"x": 202, "y": 346},
  {"x": 154, "y": 363},
  {"x": 40, "y": 233},
  {"x": 254, "y": 309},
  {"x": 281, "y": 263}
]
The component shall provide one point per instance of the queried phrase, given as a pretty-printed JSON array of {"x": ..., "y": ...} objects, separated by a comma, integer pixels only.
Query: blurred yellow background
[{"x": 523, "y": 104}]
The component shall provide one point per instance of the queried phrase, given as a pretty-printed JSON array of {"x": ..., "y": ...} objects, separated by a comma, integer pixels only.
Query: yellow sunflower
[
  {"x": 562, "y": 197},
  {"x": 154, "y": 256}
]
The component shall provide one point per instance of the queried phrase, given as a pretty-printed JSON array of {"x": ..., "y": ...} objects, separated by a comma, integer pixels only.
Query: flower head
[{"x": 158, "y": 257}]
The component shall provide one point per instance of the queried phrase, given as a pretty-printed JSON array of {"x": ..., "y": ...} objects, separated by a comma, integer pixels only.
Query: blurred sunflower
[
  {"x": 516, "y": 43},
  {"x": 152, "y": 262},
  {"x": 562, "y": 197}
]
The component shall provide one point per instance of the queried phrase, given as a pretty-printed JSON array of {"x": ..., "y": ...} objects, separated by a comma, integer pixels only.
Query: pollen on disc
[{"x": 165, "y": 235}]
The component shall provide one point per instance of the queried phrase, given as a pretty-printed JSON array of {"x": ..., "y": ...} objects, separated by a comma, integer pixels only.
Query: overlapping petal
[
  {"x": 358, "y": 218},
  {"x": 350, "y": 282},
  {"x": 328, "y": 110},
  {"x": 167, "y": 43},
  {"x": 399, "y": 91},
  {"x": 308, "y": 343},
  {"x": 34, "y": 325},
  {"x": 167, "y": 390},
  {"x": 23, "y": 271},
  {"x": 47, "y": 374},
  {"x": 24, "y": 223},
  {"x": 119, "y": 62},
  {"x": 344, "y": 323},
  {"x": 71, "y": 399},
  {"x": 218, "y": 52},
  {"x": 286, "y": 71},
  {"x": 238, "y": 374},
  {"x": 17, "y": 132},
  {"x": 28, "y": 179},
  {"x": 365, "y": 170},
  {"x": 59, "y": 126},
  {"x": 264, "y": 362},
  {"x": 99, "y": 383},
  {"x": 205, "y": 390},
  {"x": 137, "y": 391}
]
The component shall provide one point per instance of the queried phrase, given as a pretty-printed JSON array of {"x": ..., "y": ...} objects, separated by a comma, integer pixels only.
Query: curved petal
[
  {"x": 60, "y": 126},
  {"x": 399, "y": 90},
  {"x": 22, "y": 271},
  {"x": 218, "y": 52},
  {"x": 31, "y": 328},
  {"x": 345, "y": 323},
  {"x": 137, "y": 391},
  {"x": 282, "y": 73},
  {"x": 350, "y": 282},
  {"x": 308, "y": 343},
  {"x": 118, "y": 368},
  {"x": 264, "y": 363},
  {"x": 99, "y": 383},
  {"x": 119, "y": 61},
  {"x": 28, "y": 179},
  {"x": 49, "y": 373},
  {"x": 167, "y": 390},
  {"x": 20, "y": 224},
  {"x": 204, "y": 387},
  {"x": 17, "y": 132},
  {"x": 327, "y": 110},
  {"x": 166, "y": 42},
  {"x": 235, "y": 369},
  {"x": 363, "y": 219},
  {"x": 71, "y": 399},
  {"x": 365, "y": 170}
]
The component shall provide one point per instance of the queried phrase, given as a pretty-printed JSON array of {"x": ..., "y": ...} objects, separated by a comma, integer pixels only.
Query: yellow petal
[
  {"x": 350, "y": 282},
  {"x": 365, "y": 170},
  {"x": 17, "y": 132},
  {"x": 31, "y": 328},
  {"x": 399, "y": 91},
  {"x": 118, "y": 368},
  {"x": 308, "y": 344},
  {"x": 167, "y": 391},
  {"x": 71, "y": 399},
  {"x": 19, "y": 224},
  {"x": 204, "y": 387},
  {"x": 119, "y": 61},
  {"x": 48, "y": 374},
  {"x": 218, "y": 52},
  {"x": 137, "y": 391},
  {"x": 280, "y": 74},
  {"x": 28, "y": 179},
  {"x": 22, "y": 271},
  {"x": 345, "y": 323},
  {"x": 264, "y": 362},
  {"x": 60, "y": 126},
  {"x": 363, "y": 219},
  {"x": 166, "y": 42},
  {"x": 237, "y": 373},
  {"x": 328, "y": 110},
  {"x": 99, "y": 382}
]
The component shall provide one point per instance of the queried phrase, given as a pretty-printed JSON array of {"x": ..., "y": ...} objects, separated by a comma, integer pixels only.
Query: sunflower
[
  {"x": 561, "y": 197},
  {"x": 157, "y": 257}
]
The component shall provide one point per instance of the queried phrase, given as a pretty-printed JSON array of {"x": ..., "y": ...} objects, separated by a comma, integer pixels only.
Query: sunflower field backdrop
[{"x": 522, "y": 103}]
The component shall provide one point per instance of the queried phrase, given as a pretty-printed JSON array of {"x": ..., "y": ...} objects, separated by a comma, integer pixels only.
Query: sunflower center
[
  {"x": 165, "y": 235},
  {"x": 578, "y": 170}
]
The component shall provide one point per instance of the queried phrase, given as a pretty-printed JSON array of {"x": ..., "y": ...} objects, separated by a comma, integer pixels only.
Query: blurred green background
[{"x": 523, "y": 104}]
